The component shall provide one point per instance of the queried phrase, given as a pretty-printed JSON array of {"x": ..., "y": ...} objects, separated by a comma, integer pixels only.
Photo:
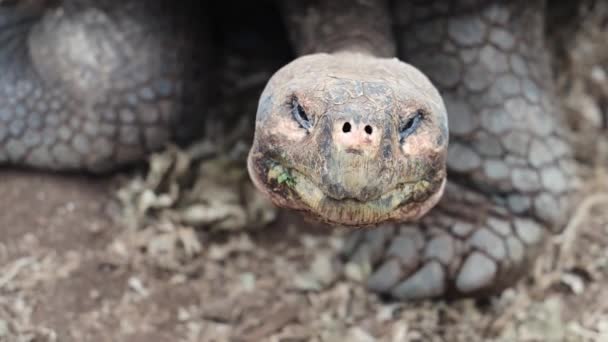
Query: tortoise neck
[{"x": 316, "y": 26}]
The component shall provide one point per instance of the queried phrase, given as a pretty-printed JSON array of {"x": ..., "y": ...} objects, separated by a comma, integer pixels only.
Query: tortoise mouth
[{"x": 290, "y": 188}]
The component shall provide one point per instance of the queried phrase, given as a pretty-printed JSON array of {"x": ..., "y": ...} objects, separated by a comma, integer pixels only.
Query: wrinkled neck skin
[
  {"x": 346, "y": 133},
  {"x": 338, "y": 26}
]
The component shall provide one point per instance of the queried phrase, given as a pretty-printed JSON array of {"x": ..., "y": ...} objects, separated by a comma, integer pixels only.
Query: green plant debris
[{"x": 287, "y": 179}]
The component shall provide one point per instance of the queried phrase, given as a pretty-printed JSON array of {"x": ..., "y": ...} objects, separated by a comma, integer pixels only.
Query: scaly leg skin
[
  {"x": 97, "y": 84},
  {"x": 510, "y": 170}
]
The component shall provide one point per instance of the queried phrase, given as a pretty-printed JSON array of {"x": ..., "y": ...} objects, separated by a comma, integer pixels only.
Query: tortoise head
[{"x": 350, "y": 139}]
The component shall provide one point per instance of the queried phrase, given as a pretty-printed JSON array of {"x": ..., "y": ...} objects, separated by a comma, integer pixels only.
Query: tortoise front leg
[
  {"x": 97, "y": 84},
  {"x": 510, "y": 169}
]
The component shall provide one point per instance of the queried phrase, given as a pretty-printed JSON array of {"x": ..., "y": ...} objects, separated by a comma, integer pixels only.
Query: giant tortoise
[{"x": 353, "y": 132}]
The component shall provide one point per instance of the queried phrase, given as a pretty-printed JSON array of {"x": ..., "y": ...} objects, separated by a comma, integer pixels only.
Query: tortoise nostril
[
  {"x": 346, "y": 127},
  {"x": 368, "y": 129}
]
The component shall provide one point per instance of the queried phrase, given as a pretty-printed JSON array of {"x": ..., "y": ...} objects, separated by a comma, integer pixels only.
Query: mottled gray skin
[
  {"x": 97, "y": 85},
  {"x": 355, "y": 178}
]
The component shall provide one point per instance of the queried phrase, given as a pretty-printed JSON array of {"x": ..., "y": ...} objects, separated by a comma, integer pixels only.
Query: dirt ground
[
  {"x": 70, "y": 272},
  {"x": 82, "y": 261}
]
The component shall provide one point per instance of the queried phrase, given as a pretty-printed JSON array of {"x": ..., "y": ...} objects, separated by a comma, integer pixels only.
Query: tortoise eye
[
  {"x": 299, "y": 114},
  {"x": 410, "y": 126}
]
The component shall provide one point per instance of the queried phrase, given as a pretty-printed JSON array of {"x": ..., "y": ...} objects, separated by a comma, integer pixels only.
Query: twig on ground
[
  {"x": 567, "y": 238},
  {"x": 15, "y": 269}
]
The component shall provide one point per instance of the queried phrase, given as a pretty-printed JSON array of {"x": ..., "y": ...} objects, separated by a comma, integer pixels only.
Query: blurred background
[{"x": 184, "y": 249}]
